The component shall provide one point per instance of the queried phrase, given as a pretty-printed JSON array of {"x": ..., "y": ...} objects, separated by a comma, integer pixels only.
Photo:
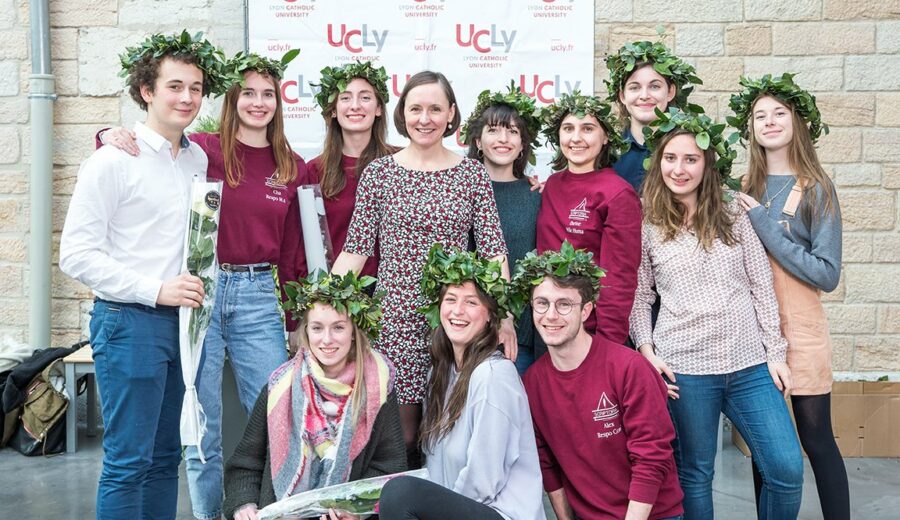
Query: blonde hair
[
  {"x": 712, "y": 219},
  {"x": 803, "y": 161}
]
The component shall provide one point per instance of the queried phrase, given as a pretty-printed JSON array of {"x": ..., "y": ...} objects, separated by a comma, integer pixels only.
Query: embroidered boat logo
[
  {"x": 606, "y": 409},
  {"x": 580, "y": 211},
  {"x": 272, "y": 182}
]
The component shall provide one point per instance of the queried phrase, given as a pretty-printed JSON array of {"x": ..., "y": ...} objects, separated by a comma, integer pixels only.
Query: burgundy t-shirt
[
  {"x": 338, "y": 211},
  {"x": 604, "y": 434},
  {"x": 600, "y": 212}
]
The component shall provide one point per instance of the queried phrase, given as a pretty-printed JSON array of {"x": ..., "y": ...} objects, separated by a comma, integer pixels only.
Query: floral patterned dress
[{"x": 408, "y": 211}]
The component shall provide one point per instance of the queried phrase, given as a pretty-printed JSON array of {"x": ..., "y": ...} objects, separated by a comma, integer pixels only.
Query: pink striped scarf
[{"x": 308, "y": 449}]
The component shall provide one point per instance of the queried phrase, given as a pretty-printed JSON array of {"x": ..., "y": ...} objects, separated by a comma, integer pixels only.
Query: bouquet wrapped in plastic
[
  {"x": 359, "y": 497},
  {"x": 199, "y": 260}
]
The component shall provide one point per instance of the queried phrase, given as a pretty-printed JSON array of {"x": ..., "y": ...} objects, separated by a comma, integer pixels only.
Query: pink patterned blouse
[{"x": 718, "y": 310}]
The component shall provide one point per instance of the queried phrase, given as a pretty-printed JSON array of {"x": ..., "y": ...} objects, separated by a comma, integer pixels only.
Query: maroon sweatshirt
[
  {"x": 604, "y": 434},
  {"x": 600, "y": 212},
  {"x": 338, "y": 211}
]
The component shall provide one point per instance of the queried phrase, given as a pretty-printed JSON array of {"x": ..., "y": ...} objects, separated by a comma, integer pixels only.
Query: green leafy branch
[{"x": 568, "y": 261}]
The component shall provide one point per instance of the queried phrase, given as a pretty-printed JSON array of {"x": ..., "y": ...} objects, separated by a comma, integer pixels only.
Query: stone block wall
[{"x": 847, "y": 51}]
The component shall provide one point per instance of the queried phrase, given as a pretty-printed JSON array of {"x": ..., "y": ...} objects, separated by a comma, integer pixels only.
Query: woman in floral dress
[{"x": 408, "y": 201}]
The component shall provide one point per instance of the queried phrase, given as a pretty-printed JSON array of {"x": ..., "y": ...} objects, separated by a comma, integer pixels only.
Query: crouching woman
[
  {"x": 477, "y": 434},
  {"x": 327, "y": 416}
]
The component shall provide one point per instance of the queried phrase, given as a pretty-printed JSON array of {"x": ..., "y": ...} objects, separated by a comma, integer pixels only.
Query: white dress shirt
[{"x": 124, "y": 232}]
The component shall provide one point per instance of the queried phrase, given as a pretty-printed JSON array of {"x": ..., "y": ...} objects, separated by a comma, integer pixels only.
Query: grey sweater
[
  {"x": 248, "y": 473},
  {"x": 808, "y": 248}
]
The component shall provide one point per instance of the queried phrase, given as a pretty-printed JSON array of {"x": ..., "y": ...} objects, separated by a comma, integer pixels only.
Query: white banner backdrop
[{"x": 545, "y": 46}]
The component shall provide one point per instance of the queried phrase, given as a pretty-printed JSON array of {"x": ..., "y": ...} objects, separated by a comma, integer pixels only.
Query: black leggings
[
  {"x": 813, "y": 416},
  {"x": 408, "y": 498}
]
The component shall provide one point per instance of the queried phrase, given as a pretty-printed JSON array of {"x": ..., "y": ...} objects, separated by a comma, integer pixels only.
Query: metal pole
[{"x": 41, "y": 96}]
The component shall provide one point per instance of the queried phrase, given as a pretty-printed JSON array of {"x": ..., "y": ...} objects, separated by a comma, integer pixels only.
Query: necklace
[{"x": 769, "y": 200}]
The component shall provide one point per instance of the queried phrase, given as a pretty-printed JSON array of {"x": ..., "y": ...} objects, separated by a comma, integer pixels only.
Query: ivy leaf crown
[
  {"x": 568, "y": 261},
  {"x": 580, "y": 105},
  {"x": 346, "y": 293},
  {"x": 785, "y": 90},
  {"x": 515, "y": 99},
  {"x": 707, "y": 134},
  {"x": 209, "y": 58},
  {"x": 334, "y": 80},
  {"x": 242, "y": 63},
  {"x": 455, "y": 267},
  {"x": 663, "y": 61}
]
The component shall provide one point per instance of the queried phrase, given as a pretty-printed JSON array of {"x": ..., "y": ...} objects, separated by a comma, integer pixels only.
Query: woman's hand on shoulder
[
  {"x": 661, "y": 367},
  {"x": 121, "y": 138},
  {"x": 781, "y": 375},
  {"x": 746, "y": 201},
  {"x": 536, "y": 184}
]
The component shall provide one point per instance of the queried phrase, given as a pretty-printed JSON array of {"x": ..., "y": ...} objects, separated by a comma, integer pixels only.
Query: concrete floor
[{"x": 64, "y": 487}]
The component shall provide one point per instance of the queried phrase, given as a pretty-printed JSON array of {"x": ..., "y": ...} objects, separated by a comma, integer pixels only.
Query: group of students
[{"x": 684, "y": 272}]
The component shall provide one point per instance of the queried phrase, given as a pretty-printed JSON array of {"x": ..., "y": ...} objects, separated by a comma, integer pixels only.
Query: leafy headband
[
  {"x": 515, "y": 99},
  {"x": 336, "y": 79},
  {"x": 621, "y": 65},
  {"x": 456, "y": 267},
  {"x": 345, "y": 293},
  {"x": 242, "y": 63},
  {"x": 785, "y": 90},
  {"x": 580, "y": 106},
  {"x": 706, "y": 134},
  {"x": 209, "y": 58},
  {"x": 568, "y": 261}
]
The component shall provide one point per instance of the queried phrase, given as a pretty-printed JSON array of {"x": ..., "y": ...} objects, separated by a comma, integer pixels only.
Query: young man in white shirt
[{"x": 123, "y": 238}]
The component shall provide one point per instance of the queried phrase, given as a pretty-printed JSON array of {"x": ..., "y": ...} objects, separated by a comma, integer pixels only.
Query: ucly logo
[
  {"x": 546, "y": 90},
  {"x": 292, "y": 91},
  {"x": 484, "y": 40},
  {"x": 355, "y": 40},
  {"x": 396, "y": 85}
]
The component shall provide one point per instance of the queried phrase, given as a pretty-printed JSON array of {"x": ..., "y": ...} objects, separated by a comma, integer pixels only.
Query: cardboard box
[{"x": 865, "y": 419}]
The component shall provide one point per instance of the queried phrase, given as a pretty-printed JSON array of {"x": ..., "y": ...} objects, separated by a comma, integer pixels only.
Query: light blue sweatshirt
[{"x": 490, "y": 454}]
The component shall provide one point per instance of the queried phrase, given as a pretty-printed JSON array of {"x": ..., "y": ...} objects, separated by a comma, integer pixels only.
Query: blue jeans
[
  {"x": 141, "y": 390},
  {"x": 247, "y": 324},
  {"x": 524, "y": 359},
  {"x": 749, "y": 398}
]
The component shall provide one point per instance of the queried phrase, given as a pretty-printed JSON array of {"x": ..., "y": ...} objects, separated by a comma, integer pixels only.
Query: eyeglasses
[{"x": 563, "y": 307}]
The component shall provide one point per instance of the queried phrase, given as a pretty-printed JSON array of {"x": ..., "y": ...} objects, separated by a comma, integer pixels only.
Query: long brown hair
[
  {"x": 441, "y": 414},
  {"x": 333, "y": 179},
  {"x": 712, "y": 218},
  {"x": 803, "y": 161},
  {"x": 358, "y": 352},
  {"x": 229, "y": 126}
]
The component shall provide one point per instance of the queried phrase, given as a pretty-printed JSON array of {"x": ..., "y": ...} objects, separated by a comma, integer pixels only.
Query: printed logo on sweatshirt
[
  {"x": 580, "y": 211},
  {"x": 277, "y": 189},
  {"x": 606, "y": 414},
  {"x": 606, "y": 409}
]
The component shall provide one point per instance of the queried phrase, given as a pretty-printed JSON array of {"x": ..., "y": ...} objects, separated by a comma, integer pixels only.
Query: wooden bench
[{"x": 80, "y": 363}]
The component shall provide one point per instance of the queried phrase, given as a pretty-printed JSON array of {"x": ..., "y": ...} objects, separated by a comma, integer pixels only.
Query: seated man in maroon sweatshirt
[{"x": 601, "y": 423}]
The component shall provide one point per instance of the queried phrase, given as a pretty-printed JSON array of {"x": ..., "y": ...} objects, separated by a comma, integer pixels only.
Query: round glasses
[{"x": 563, "y": 307}]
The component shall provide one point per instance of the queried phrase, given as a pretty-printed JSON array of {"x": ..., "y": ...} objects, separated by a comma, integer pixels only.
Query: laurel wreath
[
  {"x": 209, "y": 58},
  {"x": 785, "y": 90},
  {"x": 335, "y": 80},
  {"x": 568, "y": 261},
  {"x": 346, "y": 293},
  {"x": 515, "y": 99}
]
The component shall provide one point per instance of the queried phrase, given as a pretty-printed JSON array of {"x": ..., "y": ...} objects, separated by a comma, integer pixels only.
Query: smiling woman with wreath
[
  {"x": 794, "y": 209},
  {"x": 589, "y": 205},
  {"x": 719, "y": 347}
]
